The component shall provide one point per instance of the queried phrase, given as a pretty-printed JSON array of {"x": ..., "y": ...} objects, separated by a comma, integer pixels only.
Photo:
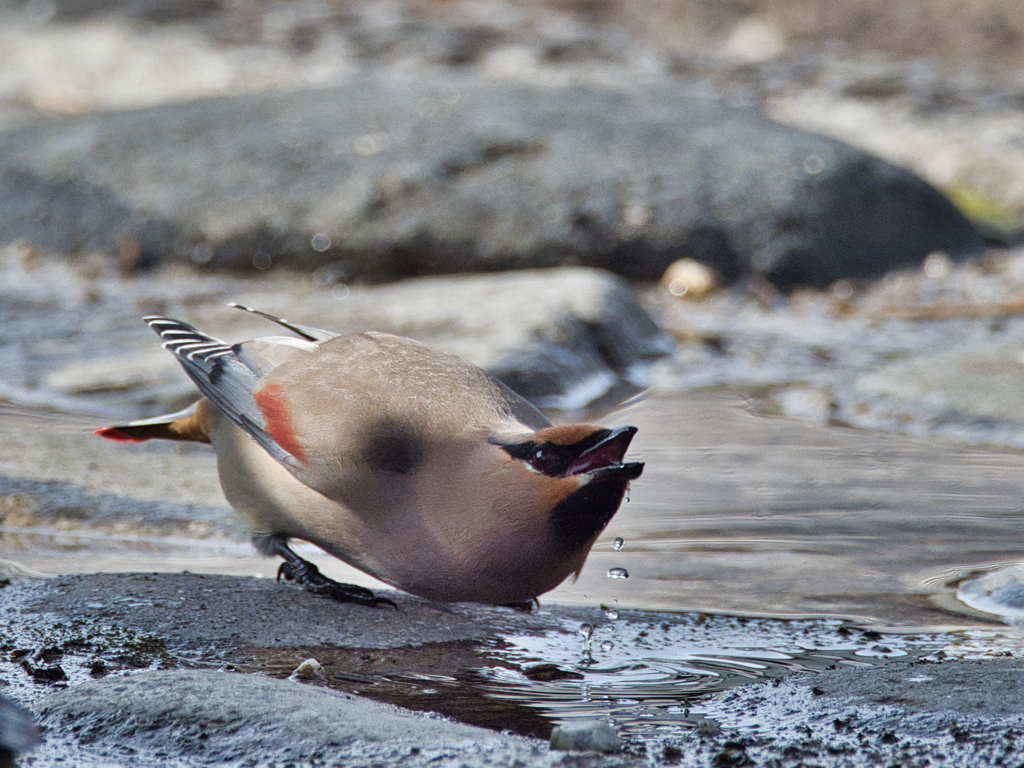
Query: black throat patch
[{"x": 578, "y": 519}]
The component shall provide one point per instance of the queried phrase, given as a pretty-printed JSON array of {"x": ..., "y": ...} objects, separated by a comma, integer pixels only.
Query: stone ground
[{"x": 185, "y": 669}]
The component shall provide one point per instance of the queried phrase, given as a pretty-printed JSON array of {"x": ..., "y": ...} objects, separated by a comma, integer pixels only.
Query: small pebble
[
  {"x": 688, "y": 278},
  {"x": 586, "y": 736},
  {"x": 310, "y": 669},
  {"x": 707, "y": 727}
]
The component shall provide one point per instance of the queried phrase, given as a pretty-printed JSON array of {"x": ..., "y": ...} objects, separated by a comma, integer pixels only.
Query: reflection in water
[
  {"x": 651, "y": 675},
  {"x": 648, "y": 674}
]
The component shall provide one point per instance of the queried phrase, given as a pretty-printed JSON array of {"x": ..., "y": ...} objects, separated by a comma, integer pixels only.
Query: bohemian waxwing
[{"x": 403, "y": 461}]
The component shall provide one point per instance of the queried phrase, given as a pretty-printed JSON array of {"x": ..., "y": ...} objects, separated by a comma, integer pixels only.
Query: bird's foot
[{"x": 308, "y": 576}]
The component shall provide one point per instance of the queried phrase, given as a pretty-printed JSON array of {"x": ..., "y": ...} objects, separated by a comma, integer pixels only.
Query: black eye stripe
[
  {"x": 543, "y": 457},
  {"x": 548, "y": 458}
]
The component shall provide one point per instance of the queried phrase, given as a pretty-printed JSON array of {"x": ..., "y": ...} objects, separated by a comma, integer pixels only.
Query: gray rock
[
  {"x": 454, "y": 174},
  {"x": 984, "y": 687},
  {"x": 586, "y": 736},
  {"x": 999, "y": 592},
  {"x": 222, "y": 718},
  {"x": 562, "y": 338},
  {"x": 957, "y": 713},
  {"x": 226, "y": 612}
]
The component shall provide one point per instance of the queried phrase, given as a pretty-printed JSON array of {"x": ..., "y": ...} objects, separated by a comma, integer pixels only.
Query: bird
[{"x": 402, "y": 460}]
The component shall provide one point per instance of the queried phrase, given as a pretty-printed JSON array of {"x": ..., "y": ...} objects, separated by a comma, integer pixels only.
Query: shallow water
[
  {"x": 735, "y": 513},
  {"x": 650, "y": 675},
  {"x": 647, "y": 675}
]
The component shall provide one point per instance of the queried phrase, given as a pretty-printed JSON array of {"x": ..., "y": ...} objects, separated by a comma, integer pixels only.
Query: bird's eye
[{"x": 542, "y": 460}]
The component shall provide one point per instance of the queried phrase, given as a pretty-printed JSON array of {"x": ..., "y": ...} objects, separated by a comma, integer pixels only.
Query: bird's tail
[{"x": 191, "y": 424}]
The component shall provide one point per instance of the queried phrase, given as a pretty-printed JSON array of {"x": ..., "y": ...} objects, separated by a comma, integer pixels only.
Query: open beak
[{"x": 604, "y": 459}]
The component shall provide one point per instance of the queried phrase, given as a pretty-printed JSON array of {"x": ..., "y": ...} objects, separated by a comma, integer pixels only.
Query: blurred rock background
[
  {"x": 771, "y": 161},
  {"x": 419, "y": 138}
]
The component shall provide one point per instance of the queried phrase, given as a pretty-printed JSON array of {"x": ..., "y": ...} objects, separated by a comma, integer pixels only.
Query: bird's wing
[
  {"x": 305, "y": 331},
  {"x": 228, "y": 374}
]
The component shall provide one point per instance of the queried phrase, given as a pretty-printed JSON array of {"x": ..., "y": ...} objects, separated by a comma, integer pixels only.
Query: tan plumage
[{"x": 399, "y": 459}]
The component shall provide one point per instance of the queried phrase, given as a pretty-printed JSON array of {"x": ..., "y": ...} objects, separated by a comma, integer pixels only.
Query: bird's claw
[{"x": 308, "y": 576}]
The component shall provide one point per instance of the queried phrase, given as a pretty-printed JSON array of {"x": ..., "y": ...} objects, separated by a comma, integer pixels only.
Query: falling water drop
[
  {"x": 618, "y": 573},
  {"x": 607, "y": 645},
  {"x": 612, "y": 615},
  {"x": 618, "y": 544},
  {"x": 587, "y": 633}
]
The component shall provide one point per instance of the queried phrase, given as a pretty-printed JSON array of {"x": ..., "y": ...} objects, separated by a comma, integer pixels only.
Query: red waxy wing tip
[
  {"x": 270, "y": 401},
  {"x": 118, "y": 436}
]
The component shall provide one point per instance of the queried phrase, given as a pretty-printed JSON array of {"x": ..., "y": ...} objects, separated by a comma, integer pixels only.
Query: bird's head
[{"x": 583, "y": 476}]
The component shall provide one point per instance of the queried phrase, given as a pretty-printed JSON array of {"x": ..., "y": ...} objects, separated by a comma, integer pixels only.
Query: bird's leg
[{"x": 308, "y": 576}]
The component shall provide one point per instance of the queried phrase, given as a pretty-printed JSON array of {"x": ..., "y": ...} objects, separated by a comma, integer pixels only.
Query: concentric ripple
[{"x": 656, "y": 675}]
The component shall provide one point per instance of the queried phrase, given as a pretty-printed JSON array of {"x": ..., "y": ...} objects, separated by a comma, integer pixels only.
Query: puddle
[
  {"x": 654, "y": 676},
  {"x": 651, "y": 676}
]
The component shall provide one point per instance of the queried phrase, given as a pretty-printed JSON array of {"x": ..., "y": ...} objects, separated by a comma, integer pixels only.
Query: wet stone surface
[
  {"x": 215, "y": 718},
  {"x": 182, "y": 669},
  {"x": 969, "y": 713}
]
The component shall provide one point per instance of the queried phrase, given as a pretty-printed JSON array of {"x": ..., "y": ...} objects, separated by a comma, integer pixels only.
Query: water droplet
[
  {"x": 586, "y": 632},
  {"x": 612, "y": 615},
  {"x": 262, "y": 260},
  {"x": 340, "y": 291},
  {"x": 320, "y": 242},
  {"x": 618, "y": 573},
  {"x": 607, "y": 645},
  {"x": 619, "y": 544}
]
